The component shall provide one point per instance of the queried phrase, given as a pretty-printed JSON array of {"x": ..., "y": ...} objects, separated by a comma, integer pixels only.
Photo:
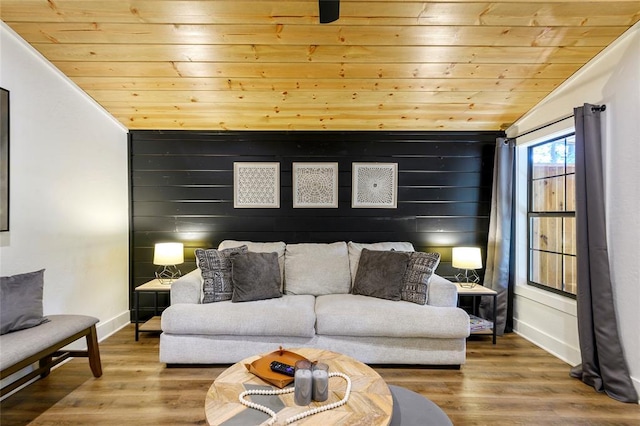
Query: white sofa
[{"x": 316, "y": 310}]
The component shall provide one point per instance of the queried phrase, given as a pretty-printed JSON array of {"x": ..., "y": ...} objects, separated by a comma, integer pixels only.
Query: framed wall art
[
  {"x": 4, "y": 160},
  {"x": 315, "y": 185},
  {"x": 256, "y": 185},
  {"x": 374, "y": 185}
]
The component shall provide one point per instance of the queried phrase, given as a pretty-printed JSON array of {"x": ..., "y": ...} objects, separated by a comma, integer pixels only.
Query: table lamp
[
  {"x": 168, "y": 255},
  {"x": 468, "y": 259}
]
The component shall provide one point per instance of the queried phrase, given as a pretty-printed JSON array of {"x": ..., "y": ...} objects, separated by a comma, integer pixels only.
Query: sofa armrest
[
  {"x": 442, "y": 292},
  {"x": 187, "y": 289}
]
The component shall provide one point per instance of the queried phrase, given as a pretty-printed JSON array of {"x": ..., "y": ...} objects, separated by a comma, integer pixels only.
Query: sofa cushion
[
  {"x": 21, "y": 301},
  {"x": 355, "y": 249},
  {"x": 417, "y": 276},
  {"x": 317, "y": 269},
  {"x": 255, "y": 276},
  {"x": 381, "y": 273},
  {"x": 277, "y": 247},
  {"x": 284, "y": 316},
  {"x": 215, "y": 266},
  {"x": 357, "y": 315}
]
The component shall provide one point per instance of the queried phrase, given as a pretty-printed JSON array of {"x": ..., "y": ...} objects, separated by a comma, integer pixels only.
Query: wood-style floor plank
[{"x": 511, "y": 383}]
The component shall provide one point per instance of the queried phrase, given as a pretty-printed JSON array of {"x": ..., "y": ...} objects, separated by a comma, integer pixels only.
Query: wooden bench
[{"x": 43, "y": 344}]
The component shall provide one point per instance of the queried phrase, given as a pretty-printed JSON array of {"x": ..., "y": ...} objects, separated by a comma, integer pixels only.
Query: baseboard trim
[
  {"x": 557, "y": 348},
  {"x": 109, "y": 327}
]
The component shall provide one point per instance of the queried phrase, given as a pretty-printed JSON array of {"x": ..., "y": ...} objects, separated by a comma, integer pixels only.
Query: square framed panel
[
  {"x": 315, "y": 185},
  {"x": 374, "y": 185},
  {"x": 256, "y": 185}
]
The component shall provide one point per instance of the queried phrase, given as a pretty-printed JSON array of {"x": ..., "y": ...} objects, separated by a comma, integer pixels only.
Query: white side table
[
  {"x": 153, "y": 324},
  {"x": 476, "y": 291}
]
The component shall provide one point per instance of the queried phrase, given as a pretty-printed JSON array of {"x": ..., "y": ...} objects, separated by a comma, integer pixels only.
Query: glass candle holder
[
  {"x": 303, "y": 383},
  {"x": 320, "y": 372}
]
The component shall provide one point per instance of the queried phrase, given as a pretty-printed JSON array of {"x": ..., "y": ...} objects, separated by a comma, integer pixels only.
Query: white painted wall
[
  {"x": 69, "y": 202},
  {"x": 612, "y": 79}
]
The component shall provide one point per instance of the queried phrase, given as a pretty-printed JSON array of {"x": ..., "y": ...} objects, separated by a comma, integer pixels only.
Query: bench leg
[
  {"x": 93, "y": 352},
  {"x": 46, "y": 364}
]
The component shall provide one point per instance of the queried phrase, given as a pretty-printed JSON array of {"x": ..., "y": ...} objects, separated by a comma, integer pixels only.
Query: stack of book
[{"x": 480, "y": 324}]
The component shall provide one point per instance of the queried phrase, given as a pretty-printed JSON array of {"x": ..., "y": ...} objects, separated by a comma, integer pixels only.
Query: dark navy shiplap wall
[{"x": 182, "y": 190}]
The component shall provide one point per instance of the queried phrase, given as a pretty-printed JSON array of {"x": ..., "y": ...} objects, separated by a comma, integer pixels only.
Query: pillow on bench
[{"x": 21, "y": 301}]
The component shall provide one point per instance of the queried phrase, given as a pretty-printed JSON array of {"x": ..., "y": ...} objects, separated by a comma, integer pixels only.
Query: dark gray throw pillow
[
  {"x": 256, "y": 276},
  {"x": 380, "y": 274},
  {"x": 215, "y": 266},
  {"x": 416, "y": 279},
  {"x": 21, "y": 301}
]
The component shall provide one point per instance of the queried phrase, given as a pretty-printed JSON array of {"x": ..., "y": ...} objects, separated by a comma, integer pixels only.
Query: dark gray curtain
[
  {"x": 496, "y": 274},
  {"x": 603, "y": 363}
]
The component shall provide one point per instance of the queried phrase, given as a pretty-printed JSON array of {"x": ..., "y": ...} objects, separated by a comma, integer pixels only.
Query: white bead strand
[{"x": 297, "y": 417}]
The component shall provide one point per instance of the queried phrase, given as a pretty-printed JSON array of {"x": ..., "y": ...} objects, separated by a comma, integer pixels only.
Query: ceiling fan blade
[{"x": 329, "y": 10}]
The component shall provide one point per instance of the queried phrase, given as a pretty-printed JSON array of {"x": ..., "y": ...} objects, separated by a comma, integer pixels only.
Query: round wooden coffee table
[{"x": 370, "y": 402}]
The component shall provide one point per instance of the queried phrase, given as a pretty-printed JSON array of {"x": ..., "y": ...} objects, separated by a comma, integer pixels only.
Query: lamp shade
[
  {"x": 467, "y": 258},
  {"x": 168, "y": 254}
]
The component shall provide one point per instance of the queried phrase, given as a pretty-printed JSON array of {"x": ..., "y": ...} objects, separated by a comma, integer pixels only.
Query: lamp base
[
  {"x": 168, "y": 274},
  {"x": 468, "y": 279}
]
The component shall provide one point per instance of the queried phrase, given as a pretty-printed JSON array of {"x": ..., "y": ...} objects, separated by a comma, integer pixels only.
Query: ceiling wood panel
[
  {"x": 378, "y": 35},
  {"x": 269, "y": 64},
  {"x": 244, "y": 84}
]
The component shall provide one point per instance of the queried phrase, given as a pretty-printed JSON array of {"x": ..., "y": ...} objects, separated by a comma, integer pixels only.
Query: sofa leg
[{"x": 93, "y": 351}]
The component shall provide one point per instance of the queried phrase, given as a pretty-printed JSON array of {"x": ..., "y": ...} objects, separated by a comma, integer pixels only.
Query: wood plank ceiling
[{"x": 270, "y": 65}]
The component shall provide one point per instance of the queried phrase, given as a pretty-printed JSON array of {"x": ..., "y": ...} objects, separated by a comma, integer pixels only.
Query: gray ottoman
[{"x": 413, "y": 409}]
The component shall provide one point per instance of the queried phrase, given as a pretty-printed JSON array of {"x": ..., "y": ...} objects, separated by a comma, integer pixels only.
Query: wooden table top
[{"x": 370, "y": 401}]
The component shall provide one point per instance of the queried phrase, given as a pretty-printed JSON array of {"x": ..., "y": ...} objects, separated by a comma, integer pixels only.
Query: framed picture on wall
[
  {"x": 374, "y": 185},
  {"x": 4, "y": 160},
  {"x": 256, "y": 185},
  {"x": 315, "y": 185}
]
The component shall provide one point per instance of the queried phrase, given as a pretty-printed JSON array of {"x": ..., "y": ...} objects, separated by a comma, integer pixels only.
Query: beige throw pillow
[{"x": 317, "y": 269}]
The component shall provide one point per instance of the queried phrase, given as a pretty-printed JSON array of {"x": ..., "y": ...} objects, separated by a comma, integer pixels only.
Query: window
[{"x": 551, "y": 215}]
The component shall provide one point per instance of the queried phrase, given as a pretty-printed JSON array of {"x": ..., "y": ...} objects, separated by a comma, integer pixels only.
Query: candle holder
[
  {"x": 320, "y": 374},
  {"x": 303, "y": 383}
]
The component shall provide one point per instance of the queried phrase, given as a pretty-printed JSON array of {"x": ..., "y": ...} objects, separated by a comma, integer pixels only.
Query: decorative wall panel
[
  {"x": 315, "y": 185},
  {"x": 374, "y": 185},
  {"x": 256, "y": 185}
]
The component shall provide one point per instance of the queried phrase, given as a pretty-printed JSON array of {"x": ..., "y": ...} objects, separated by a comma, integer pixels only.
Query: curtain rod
[
  {"x": 593, "y": 109},
  {"x": 535, "y": 129}
]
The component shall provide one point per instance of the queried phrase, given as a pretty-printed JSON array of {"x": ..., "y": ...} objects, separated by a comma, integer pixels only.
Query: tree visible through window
[{"x": 551, "y": 215}]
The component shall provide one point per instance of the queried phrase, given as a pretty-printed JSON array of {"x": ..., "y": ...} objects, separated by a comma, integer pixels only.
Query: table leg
[
  {"x": 495, "y": 310},
  {"x": 135, "y": 313}
]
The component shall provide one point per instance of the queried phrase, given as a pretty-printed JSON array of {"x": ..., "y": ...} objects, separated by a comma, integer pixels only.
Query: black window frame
[{"x": 536, "y": 214}]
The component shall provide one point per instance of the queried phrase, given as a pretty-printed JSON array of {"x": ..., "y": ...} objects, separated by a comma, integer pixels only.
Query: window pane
[
  {"x": 549, "y": 159},
  {"x": 546, "y": 269},
  {"x": 546, "y": 233},
  {"x": 571, "y": 193},
  {"x": 569, "y": 235},
  {"x": 548, "y": 195},
  {"x": 570, "y": 279},
  {"x": 570, "y": 158}
]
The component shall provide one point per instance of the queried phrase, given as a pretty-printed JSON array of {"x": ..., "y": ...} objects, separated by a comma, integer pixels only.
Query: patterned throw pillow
[
  {"x": 416, "y": 277},
  {"x": 215, "y": 266}
]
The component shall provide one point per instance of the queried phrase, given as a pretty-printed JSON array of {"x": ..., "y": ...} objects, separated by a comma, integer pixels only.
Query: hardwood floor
[{"x": 511, "y": 383}]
